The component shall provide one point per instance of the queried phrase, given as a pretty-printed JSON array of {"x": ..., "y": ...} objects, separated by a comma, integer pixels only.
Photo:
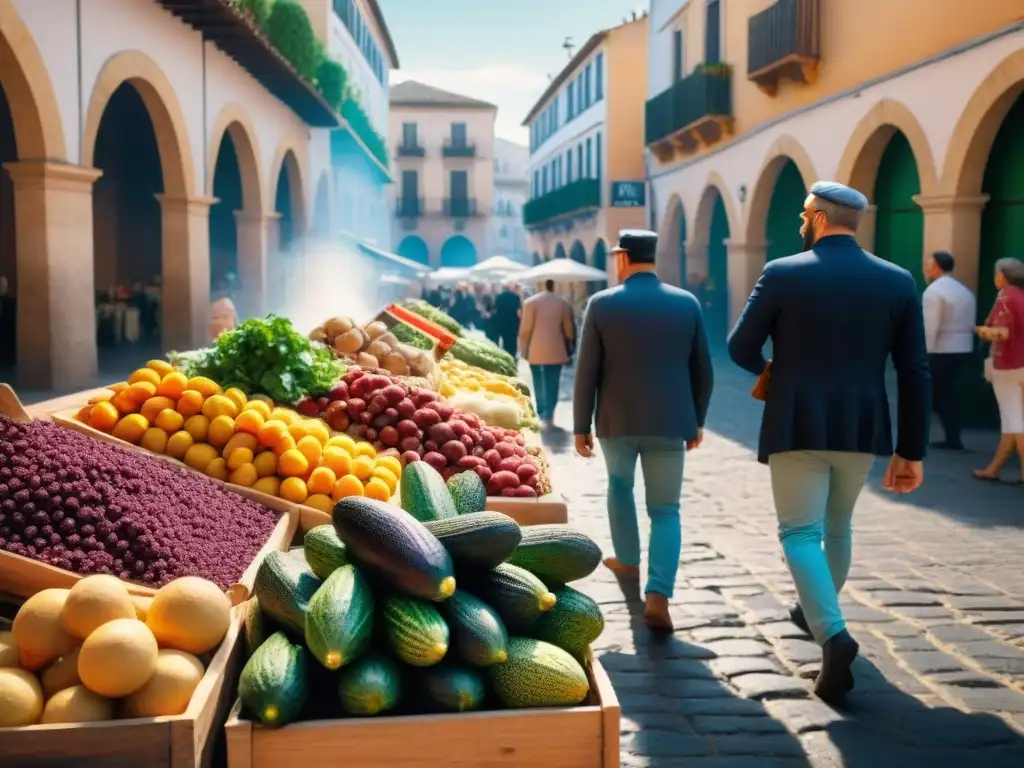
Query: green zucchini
[
  {"x": 256, "y": 626},
  {"x": 370, "y": 685},
  {"x": 452, "y": 688},
  {"x": 468, "y": 492},
  {"x": 284, "y": 586},
  {"x": 556, "y": 554},
  {"x": 479, "y": 539},
  {"x": 424, "y": 494},
  {"x": 434, "y": 315},
  {"x": 415, "y": 630},
  {"x": 323, "y": 550},
  {"x": 478, "y": 634},
  {"x": 395, "y": 548},
  {"x": 538, "y": 674},
  {"x": 517, "y": 596},
  {"x": 273, "y": 687},
  {"x": 573, "y": 624},
  {"x": 339, "y": 620}
]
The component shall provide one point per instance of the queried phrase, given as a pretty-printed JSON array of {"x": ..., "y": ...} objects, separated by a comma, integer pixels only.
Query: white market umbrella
[
  {"x": 561, "y": 271},
  {"x": 393, "y": 279},
  {"x": 449, "y": 275},
  {"x": 498, "y": 266}
]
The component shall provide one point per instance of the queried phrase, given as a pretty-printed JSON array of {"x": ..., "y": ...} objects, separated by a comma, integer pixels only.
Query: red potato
[
  {"x": 526, "y": 470},
  {"x": 500, "y": 481},
  {"x": 381, "y": 421},
  {"x": 392, "y": 413},
  {"x": 470, "y": 462},
  {"x": 478, "y": 450},
  {"x": 520, "y": 440},
  {"x": 511, "y": 464},
  {"x": 459, "y": 427},
  {"x": 409, "y": 444},
  {"x": 407, "y": 428},
  {"x": 471, "y": 419},
  {"x": 422, "y": 397},
  {"x": 441, "y": 433},
  {"x": 505, "y": 449},
  {"x": 378, "y": 404},
  {"x": 410, "y": 457},
  {"x": 521, "y": 452},
  {"x": 474, "y": 435},
  {"x": 467, "y": 441},
  {"x": 390, "y": 450},
  {"x": 394, "y": 393},
  {"x": 338, "y": 421},
  {"x": 436, "y": 460},
  {"x": 406, "y": 408},
  {"x": 425, "y": 418},
  {"x": 453, "y": 450},
  {"x": 308, "y": 407},
  {"x": 389, "y": 436},
  {"x": 360, "y": 388},
  {"x": 380, "y": 381},
  {"x": 355, "y": 406},
  {"x": 449, "y": 472},
  {"x": 487, "y": 440},
  {"x": 358, "y": 431},
  {"x": 430, "y": 445},
  {"x": 484, "y": 473},
  {"x": 522, "y": 492},
  {"x": 371, "y": 434},
  {"x": 493, "y": 459},
  {"x": 340, "y": 392},
  {"x": 352, "y": 374},
  {"x": 444, "y": 409},
  {"x": 365, "y": 418}
]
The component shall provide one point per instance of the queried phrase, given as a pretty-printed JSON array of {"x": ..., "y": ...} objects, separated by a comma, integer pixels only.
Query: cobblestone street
[{"x": 935, "y": 598}]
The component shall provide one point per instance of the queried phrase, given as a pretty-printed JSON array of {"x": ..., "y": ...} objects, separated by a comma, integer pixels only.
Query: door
[
  {"x": 409, "y": 135},
  {"x": 458, "y": 134},
  {"x": 410, "y": 192}
]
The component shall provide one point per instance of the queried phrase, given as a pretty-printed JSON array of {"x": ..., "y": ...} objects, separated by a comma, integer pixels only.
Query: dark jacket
[
  {"x": 644, "y": 361},
  {"x": 835, "y": 314}
]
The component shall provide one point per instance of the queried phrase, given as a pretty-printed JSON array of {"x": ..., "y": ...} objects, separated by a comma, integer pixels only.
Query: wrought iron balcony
[
  {"x": 458, "y": 148},
  {"x": 408, "y": 207},
  {"x": 460, "y": 207},
  {"x": 577, "y": 196},
  {"x": 694, "y": 111},
  {"x": 783, "y": 42},
  {"x": 410, "y": 150}
]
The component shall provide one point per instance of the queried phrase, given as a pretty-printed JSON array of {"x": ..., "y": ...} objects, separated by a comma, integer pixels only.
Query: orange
[
  {"x": 344, "y": 442},
  {"x": 199, "y": 455},
  {"x": 321, "y": 480},
  {"x": 287, "y": 415},
  {"x": 83, "y": 413},
  {"x": 365, "y": 449},
  {"x": 160, "y": 366},
  {"x": 250, "y": 421},
  {"x": 391, "y": 462},
  {"x": 102, "y": 396},
  {"x": 337, "y": 460},
  {"x": 219, "y": 405},
  {"x": 206, "y": 387},
  {"x": 145, "y": 374},
  {"x": 271, "y": 432},
  {"x": 190, "y": 403},
  {"x": 131, "y": 428},
  {"x": 318, "y": 429},
  {"x": 349, "y": 485},
  {"x": 321, "y": 502},
  {"x": 389, "y": 478},
  {"x": 217, "y": 469},
  {"x": 266, "y": 464},
  {"x": 259, "y": 406},
  {"x": 103, "y": 416},
  {"x": 222, "y": 429},
  {"x": 286, "y": 443},
  {"x": 292, "y": 463},
  {"x": 172, "y": 385},
  {"x": 238, "y": 458},
  {"x": 378, "y": 489},
  {"x": 293, "y": 489},
  {"x": 198, "y": 426},
  {"x": 154, "y": 440},
  {"x": 297, "y": 430},
  {"x": 140, "y": 391},
  {"x": 118, "y": 387},
  {"x": 237, "y": 396},
  {"x": 178, "y": 444},
  {"x": 244, "y": 475},
  {"x": 269, "y": 485},
  {"x": 362, "y": 467},
  {"x": 310, "y": 448},
  {"x": 152, "y": 407},
  {"x": 125, "y": 403},
  {"x": 240, "y": 440},
  {"x": 170, "y": 421}
]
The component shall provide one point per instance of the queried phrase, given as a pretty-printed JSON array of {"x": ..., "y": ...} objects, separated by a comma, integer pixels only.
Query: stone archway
[
  {"x": 289, "y": 202},
  {"x": 458, "y": 251},
  {"x": 559, "y": 251},
  {"x": 414, "y": 248},
  {"x": 536, "y": 258},
  {"x": 235, "y": 122},
  {"x": 708, "y": 256},
  {"x": 899, "y": 220},
  {"x": 671, "y": 256},
  {"x": 786, "y": 171},
  {"x": 578, "y": 253},
  {"x": 599, "y": 261}
]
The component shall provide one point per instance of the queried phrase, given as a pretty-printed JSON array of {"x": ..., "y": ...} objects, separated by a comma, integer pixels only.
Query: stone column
[
  {"x": 186, "y": 271},
  {"x": 56, "y": 296},
  {"x": 866, "y": 232},
  {"x": 253, "y": 234},
  {"x": 954, "y": 224},
  {"x": 746, "y": 260}
]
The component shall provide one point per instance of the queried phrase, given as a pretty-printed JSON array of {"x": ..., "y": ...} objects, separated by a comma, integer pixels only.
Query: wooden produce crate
[
  {"x": 181, "y": 741},
  {"x": 576, "y": 737},
  {"x": 24, "y": 577}
]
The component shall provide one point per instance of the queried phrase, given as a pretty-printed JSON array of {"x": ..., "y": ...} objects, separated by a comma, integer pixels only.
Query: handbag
[{"x": 760, "y": 390}]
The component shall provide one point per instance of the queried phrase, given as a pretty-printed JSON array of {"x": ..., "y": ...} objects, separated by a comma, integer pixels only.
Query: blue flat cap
[
  {"x": 840, "y": 194},
  {"x": 639, "y": 244}
]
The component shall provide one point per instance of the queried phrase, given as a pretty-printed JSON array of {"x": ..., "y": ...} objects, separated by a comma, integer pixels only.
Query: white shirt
[{"x": 950, "y": 313}]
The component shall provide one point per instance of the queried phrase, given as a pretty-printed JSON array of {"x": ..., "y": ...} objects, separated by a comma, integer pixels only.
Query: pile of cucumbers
[{"x": 454, "y": 609}]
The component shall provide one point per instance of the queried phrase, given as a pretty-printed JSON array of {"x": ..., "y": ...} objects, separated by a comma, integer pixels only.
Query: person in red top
[{"x": 1005, "y": 367}]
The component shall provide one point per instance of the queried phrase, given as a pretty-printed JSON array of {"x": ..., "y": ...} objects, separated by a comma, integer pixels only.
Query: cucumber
[
  {"x": 284, "y": 586},
  {"x": 477, "y": 539},
  {"x": 478, "y": 634},
  {"x": 538, "y": 674},
  {"x": 394, "y": 547},
  {"x": 339, "y": 620},
  {"x": 323, "y": 550},
  {"x": 256, "y": 626},
  {"x": 415, "y": 630},
  {"x": 468, "y": 492},
  {"x": 370, "y": 685},
  {"x": 424, "y": 494},
  {"x": 273, "y": 687},
  {"x": 573, "y": 624},
  {"x": 517, "y": 596},
  {"x": 452, "y": 688},
  {"x": 556, "y": 554}
]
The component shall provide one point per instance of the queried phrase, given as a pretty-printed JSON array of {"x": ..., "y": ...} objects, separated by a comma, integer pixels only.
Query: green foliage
[
  {"x": 291, "y": 32},
  {"x": 360, "y": 125},
  {"x": 259, "y": 10},
  {"x": 716, "y": 69},
  {"x": 331, "y": 79}
]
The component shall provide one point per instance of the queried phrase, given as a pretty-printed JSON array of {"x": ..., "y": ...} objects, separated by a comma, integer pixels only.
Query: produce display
[
  {"x": 434, "y": 315},
  {"x": 93, "y": 653},
  {"x": 91, "y": 507},
  {"x": 398, "y": 612},
  {"x": 373, "y": 346},
  {"x": 497, "y": 399},
  {"x": 246, "y": 441},
  {"x": 476, "y": 352}
]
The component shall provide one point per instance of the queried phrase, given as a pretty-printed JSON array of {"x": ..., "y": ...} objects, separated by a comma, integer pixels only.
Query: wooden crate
[
  {"x": 576, "y": 737},
  {"x": 182, "y": 741}
]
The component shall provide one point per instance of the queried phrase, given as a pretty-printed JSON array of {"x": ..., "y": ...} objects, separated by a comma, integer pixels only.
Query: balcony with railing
[
  {"x": 693, "y": 112},
  {"x": 575, "y": 197},
  {"x": 408, "y": 207},
  {"x": 460, "y": 207},
  {"x": 410, "y": 149},
  {"x": 783, "y": 42},
  {"x": 458, "y": 148}
]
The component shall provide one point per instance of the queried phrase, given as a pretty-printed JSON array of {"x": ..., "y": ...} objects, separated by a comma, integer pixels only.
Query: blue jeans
[
  {"x": 546, "y": 381},
  {"x": 661, "y": 460},
  {"x": 815, "y": 493}
]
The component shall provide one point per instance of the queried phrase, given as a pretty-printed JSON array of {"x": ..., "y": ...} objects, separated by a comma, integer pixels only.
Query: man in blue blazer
[{"x": 835, "y": 315}]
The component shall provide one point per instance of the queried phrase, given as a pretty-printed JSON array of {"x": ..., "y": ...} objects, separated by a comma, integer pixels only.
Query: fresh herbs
[{"x": 266, "y": 356}]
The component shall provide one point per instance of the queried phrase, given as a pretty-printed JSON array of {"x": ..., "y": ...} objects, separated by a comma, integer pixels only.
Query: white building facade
[{"x": 511, "y": 191}]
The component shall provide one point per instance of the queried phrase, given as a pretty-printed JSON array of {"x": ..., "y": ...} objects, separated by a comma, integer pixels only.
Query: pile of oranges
[{"x": 239, "y": 439}]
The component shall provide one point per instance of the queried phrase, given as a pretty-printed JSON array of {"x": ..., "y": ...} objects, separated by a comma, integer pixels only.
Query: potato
[
  {"x": 319, "y": 334},
  {"x": 336, "y": 326},
  {"x": 418, "y": 361},
  {"x": 367, "y": 360},
  {"x": 350, "y": 342},
  {"x": 394, "y": 363},
  {"x": 375, "y": 329},
  {"x": 389, "y": 339},
  {"x": 379, "y": 349}
]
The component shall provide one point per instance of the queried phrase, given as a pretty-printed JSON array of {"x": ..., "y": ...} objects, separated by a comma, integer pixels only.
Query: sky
[{"x": 501, "y": 52}]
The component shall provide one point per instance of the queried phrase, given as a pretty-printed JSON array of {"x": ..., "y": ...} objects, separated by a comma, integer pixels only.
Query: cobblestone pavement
[{"x": 935, "y": 598}]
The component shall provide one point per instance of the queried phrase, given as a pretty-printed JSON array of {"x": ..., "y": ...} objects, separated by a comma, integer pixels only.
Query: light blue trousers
[
  {"x": 815, "y": 492},
  {"x": 661, "y": 460}
]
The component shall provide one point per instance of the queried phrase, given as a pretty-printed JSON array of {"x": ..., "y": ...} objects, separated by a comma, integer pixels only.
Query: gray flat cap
[{"x": 840, "y": 194}]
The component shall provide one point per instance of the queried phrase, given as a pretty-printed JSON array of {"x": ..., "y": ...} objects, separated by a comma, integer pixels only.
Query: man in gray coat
[{"x": 644, "y": 363}]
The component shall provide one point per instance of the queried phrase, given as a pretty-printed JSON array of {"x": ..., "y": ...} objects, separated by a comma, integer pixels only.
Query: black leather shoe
[
  {"x": 796, "y": 615},
  {"x": 835, "y": 678}
]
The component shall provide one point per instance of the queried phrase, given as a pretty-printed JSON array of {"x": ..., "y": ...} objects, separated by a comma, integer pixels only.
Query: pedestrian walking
[
  {"x": 835, "y": 315},
  {"x": 508, "y": 312},
  {"x": 645, "y": 367},
  {"x": 1005, "y": 366},
  {"x": 950, "y": 311},
  {"x": 547, "y": 336}
]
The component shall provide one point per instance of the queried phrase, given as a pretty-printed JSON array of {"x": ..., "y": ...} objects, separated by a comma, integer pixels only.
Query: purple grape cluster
[{"x": 91, "y": 507}]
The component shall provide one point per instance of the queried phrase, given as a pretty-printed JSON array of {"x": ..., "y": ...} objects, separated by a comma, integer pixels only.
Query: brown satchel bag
[{"x": 760, "y": 390}]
